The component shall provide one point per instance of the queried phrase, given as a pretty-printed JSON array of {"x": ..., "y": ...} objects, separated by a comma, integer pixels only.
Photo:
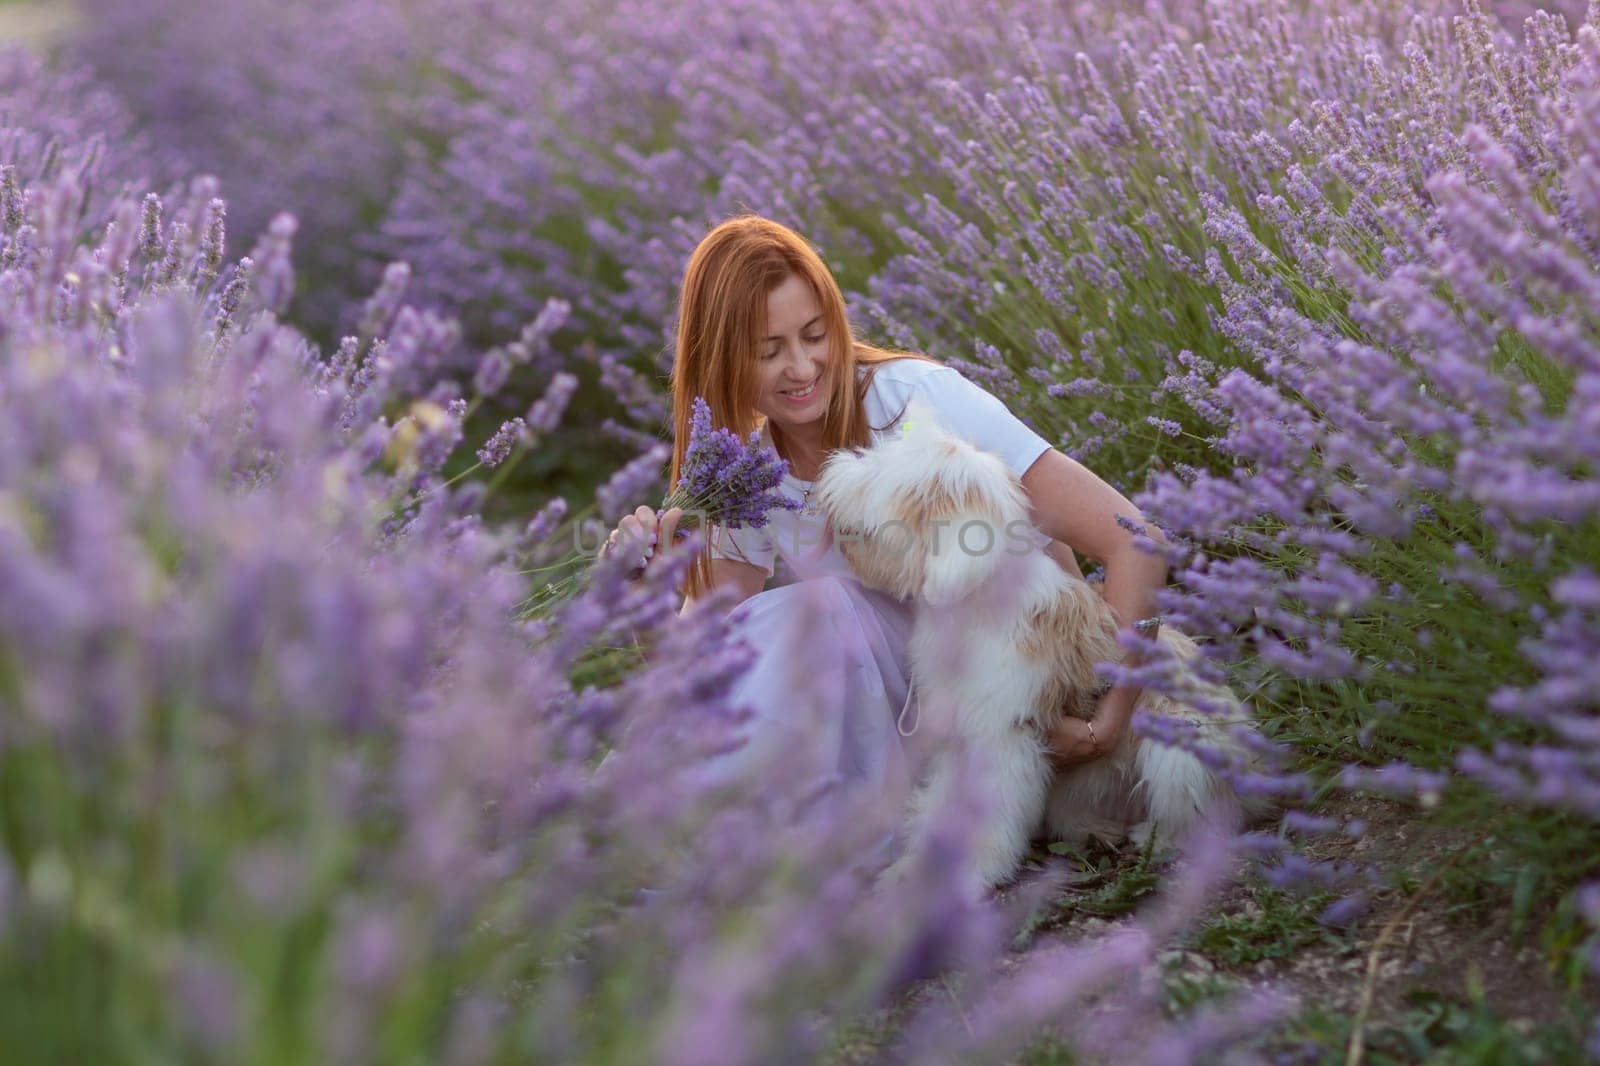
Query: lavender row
[
  {"x": 1326, "y": 271},
  {"x": 292, "y": 770}
]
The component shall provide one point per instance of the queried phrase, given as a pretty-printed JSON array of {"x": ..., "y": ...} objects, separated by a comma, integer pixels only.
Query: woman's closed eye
[{"x": 772, "y": 353}]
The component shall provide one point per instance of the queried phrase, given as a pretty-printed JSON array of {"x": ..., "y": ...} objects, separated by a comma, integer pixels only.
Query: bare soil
[{"x": 1416, "y": 943}]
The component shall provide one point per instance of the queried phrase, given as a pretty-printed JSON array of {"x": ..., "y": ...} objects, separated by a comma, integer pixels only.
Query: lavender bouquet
[{"x": 726, "y": 481}]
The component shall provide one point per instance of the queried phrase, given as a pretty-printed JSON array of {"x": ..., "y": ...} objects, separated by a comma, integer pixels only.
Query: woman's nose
[{"x": 800, "y": 363}]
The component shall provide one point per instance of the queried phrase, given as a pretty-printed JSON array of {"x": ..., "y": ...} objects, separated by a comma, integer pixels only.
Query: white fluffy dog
[{"x": 1004, "y": 643}]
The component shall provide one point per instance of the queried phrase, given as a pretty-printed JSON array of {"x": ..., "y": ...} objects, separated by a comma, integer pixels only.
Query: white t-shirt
[{"x": 960, "y": 407}]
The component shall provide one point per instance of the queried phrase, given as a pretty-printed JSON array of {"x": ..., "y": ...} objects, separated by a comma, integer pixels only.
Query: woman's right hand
[{"x": 641, "y": 533}]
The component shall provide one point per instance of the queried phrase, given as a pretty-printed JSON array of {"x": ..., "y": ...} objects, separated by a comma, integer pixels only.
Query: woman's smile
[{"x": 800, "y": 393}]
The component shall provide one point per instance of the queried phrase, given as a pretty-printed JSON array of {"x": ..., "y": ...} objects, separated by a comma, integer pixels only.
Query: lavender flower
[
  {"x": 543, "y": 524},
  {"x": 615, "y": 498},
  {"x": 377, "y": 314},
  {"x": 545, "y": 414},
  {"x": 274, "y": 275},
  {"x": 511, "y": 433}
]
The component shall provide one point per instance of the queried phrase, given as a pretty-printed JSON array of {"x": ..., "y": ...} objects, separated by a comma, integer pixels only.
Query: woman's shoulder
[
  {"x": 894, "y": 381},
  {"x": 904, "y": 372}
]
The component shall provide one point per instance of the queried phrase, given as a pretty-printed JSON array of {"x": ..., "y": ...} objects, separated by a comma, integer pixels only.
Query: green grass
[
  {"x": 1102, "y": 881},
  {"x": 1434, "y": 1029},
  {"x": 1275, "y": 925}
]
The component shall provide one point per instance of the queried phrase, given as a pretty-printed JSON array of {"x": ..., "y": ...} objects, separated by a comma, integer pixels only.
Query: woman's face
[{"x": 792, "y": 360}]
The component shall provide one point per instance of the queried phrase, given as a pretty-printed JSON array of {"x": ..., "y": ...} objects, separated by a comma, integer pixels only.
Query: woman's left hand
[{"x": 1075, "y": 741}]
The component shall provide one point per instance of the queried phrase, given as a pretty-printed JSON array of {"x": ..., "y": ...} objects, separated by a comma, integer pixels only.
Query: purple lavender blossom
[
  {"x": 545, "y": 414},
  {"x": 725, "y": 481},
  {"x": 543, "y": 524},
  {"x": 495, "y": 450},
  {"x": 1397, "y": 779},
  {"x": 632, "y": 481},
  {"x": 377, "y": 314},
  {"x": 274, "y": 274}
]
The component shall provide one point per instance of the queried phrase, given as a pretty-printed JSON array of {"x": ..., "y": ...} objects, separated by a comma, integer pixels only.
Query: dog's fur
[{"x": 1004, "y": 643}]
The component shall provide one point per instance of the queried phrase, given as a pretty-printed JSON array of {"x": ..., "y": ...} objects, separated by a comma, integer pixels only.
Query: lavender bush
[
  {"x": 295, "y": 106},
  {"x": 1332, "y": 285},
  {"x": 63, "y": 121}
]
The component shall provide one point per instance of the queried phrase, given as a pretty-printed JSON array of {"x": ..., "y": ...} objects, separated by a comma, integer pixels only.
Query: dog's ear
[
  {"x": 960, "y": 537},
  {"x": 952, "y": 575},
  {"x": 961, "y": 559}
]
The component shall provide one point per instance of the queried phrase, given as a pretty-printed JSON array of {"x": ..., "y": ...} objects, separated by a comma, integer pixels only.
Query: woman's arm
[{"x": 1073, "y": 505}]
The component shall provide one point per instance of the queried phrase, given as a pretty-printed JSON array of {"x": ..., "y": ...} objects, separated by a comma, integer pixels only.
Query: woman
[{"x": 763, "y": 337}]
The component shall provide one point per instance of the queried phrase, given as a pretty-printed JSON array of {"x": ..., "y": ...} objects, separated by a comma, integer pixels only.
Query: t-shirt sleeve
[
  {"x": 971, "y": 412},
  {"x": 745, "y": 545}
]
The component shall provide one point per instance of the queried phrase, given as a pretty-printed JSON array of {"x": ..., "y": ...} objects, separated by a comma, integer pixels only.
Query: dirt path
[
  {"x": 1444, "y": 940},
  {"x": 1438, "y": 968},
  {"x": 1439, "y": 960}
]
